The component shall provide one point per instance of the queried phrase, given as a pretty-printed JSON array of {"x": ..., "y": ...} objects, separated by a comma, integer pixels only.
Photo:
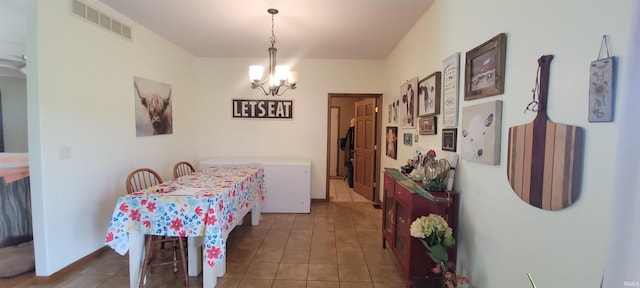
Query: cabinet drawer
[
  {"x": 402, "y": 194},
  {"x": 389, "y": 186}
]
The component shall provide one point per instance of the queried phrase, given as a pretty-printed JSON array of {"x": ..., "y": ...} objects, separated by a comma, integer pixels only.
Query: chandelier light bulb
[
  {"x": 293, "y": 78},
  {"x": 255, "y": 73},
  {"x": 282, "y": 72}
]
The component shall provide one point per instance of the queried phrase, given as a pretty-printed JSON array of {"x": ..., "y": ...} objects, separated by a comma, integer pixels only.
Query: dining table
[{"x": 203, "y": 206}]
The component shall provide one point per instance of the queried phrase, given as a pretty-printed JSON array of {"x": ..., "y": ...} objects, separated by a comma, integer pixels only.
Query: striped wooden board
[{"x": 544, "y": 164}]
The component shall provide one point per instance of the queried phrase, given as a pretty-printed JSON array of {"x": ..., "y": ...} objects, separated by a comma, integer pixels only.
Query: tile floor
[{"x": 337, "y": 245}]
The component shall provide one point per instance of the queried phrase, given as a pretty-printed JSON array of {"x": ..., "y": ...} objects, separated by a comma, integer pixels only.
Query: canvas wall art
[
  {"x": 481, "y": 132},
  {"x": 153, "y": 107}
]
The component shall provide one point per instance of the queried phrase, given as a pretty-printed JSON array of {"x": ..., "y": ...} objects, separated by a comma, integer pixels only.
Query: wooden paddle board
[{"x": 544, "y": 164}]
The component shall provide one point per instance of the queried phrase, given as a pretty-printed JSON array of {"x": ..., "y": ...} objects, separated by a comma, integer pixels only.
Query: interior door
[{"x": 364, "y": 143}]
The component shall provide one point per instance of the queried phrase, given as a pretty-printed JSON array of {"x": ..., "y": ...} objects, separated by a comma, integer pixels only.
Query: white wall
[
  {"x": 304, "y": 137},
  {"x": 81, "y": 98},
  {"x": 501, "y": 238},
  {"x": 14, "y": 114},
  {"x": 622, "y": 258}
]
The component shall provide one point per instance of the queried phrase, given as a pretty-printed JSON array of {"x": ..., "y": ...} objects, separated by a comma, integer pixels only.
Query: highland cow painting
[{"x": 153, "y": 107}]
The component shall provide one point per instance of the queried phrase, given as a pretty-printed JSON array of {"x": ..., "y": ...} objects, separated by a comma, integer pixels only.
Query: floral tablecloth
[{"x": 211, "y": 204}]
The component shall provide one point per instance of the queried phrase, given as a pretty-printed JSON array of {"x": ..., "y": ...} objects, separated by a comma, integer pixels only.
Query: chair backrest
[
  {"x": 142, "y": 178},
  {"x": 182, "y": 168}
]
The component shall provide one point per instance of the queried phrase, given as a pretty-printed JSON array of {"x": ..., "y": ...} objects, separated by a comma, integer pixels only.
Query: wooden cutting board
[{"x": 544, "y": 164}]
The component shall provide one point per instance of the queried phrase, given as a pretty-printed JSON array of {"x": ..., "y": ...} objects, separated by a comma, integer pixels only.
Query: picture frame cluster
[{"x": 423, "y": 99}]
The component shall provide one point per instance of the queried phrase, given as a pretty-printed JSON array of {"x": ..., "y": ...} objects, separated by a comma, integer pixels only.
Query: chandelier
[{"x": 279, "y": 79}]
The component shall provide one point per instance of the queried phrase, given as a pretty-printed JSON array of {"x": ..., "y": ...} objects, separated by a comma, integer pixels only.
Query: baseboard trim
[{"x": 73, "y": 267}]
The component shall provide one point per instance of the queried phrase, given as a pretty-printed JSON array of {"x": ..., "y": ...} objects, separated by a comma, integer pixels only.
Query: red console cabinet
[{"x": 404, "y": 201}]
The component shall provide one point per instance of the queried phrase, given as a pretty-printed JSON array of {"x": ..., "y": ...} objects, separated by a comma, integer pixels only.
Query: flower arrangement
[
  {"x": 436, "y": 235},
  {"x": 434, "y": 232}
]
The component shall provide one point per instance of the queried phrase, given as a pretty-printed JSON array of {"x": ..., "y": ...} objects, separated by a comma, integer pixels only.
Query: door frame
[
  {"x": 378, "y": 138},
  {"x": 337, "y": 167}
]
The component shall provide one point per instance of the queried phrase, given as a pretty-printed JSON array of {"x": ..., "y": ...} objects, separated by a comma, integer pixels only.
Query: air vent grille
[{"x": 94, "y": 16}]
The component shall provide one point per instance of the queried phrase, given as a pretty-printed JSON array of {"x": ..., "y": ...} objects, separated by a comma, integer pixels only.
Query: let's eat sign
[{"x": 271, "y": 109}]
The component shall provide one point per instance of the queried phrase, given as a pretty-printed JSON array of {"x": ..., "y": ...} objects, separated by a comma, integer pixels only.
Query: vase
[{"x": 435, "y": 173}]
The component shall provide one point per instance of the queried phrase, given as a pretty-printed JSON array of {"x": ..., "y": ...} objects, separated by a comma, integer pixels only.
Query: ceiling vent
[{"x": 94, "y": 16}]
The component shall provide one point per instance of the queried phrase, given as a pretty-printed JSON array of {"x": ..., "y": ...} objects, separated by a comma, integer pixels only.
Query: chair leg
[
  {"x": 184, "y": 262},
  {"x": 147, "y": 259},
  {"x": 154, "y": 250},
  {"x": 175, "y": 256},
  {"x": 150, "y": 254}
]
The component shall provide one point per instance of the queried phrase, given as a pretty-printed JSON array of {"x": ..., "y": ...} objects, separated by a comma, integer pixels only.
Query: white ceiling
[
  {"x": 340, "y": 29},
  {"x": 329, "y": 29}
]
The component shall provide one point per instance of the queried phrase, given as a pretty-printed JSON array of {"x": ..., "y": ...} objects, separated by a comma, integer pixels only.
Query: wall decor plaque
[
  {"x": 271, "y": 109},
  {"x": 450, "y": 79}
]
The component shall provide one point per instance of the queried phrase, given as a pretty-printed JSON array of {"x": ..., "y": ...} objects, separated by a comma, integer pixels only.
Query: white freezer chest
[{"x": 287, "y": 181}]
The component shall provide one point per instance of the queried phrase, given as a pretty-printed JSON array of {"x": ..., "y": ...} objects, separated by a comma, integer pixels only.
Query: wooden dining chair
[
  {"x": 182, "y": 168},
  {"x": 141, "y": 179}
]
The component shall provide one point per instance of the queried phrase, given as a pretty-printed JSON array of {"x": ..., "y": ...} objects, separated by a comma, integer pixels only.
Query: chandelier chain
[{"x": 273, "y": 34}]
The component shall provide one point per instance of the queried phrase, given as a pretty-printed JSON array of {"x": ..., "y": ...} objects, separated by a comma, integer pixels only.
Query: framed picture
[
  {"x": 481, "y": 129},
  {"x": 449, "y": 139},
  {"x": 428, "y": 125},
  {"x": 429, "y": 95},
  {"x": 408, "y": 139},
  {"x": 450, "y": 80},
  {"x": 484, "y": 68},
  {"x": 408, "y": 103},
  {"x": 392, "y": 142}
]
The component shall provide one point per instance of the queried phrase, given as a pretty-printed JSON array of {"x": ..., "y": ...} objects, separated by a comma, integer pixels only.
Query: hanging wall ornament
[{"x": 601, "y": 80}]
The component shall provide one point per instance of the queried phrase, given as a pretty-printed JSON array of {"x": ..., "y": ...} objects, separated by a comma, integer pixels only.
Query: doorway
[{"x": 341, "y": 109}]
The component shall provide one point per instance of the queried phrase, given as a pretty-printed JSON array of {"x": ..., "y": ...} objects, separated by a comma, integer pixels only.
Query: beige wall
[
  {"x": 218, "y": 81},
  {"x": 81, "y": 101},
  {"x": 80, "y": 98}
]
